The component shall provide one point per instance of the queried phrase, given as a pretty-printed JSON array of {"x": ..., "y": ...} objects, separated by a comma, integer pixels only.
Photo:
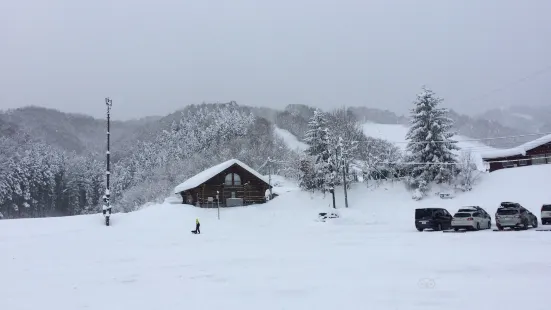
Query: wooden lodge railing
[{"x": 248, "y": 194}]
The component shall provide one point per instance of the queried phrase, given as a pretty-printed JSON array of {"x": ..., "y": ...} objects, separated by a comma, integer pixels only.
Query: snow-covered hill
[
  {"x": 276, "y": 256},
  {"x": 396, "y": 133}
]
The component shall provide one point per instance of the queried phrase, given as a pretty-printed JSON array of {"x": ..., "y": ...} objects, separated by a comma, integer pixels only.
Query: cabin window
[
  {"x": 233, "y": 179},
  {"x": 508, "y": 164},
  {"x": 538, "y": 160}
]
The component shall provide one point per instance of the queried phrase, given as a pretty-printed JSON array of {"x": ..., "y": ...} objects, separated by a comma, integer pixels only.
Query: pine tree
[
  {"x": 430, "y": 142},
  {"x": 317, "y": 137},
  {"x": 317, "y": 134}
]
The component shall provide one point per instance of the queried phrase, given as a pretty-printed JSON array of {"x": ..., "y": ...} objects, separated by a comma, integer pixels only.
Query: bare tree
[{"x": 468, "y": 172}]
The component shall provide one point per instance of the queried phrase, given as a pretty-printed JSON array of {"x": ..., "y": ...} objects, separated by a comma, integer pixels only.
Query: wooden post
[
  {"x": 218, "y": 203},
  {"x": 223, "y": 193},
  {"x": 203, "y": 198}
]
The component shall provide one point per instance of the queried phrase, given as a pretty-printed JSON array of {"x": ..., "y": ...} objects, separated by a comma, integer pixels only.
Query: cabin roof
[
  {"x": 519, "y": 150},
  {"x": 208, "y": 174}
]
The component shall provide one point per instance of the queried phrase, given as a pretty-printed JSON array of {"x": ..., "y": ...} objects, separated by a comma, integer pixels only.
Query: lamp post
[{"x": 109, "y": 104}]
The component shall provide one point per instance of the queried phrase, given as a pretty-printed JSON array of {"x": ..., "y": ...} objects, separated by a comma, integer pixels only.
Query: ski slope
[
  {"x": 276, "y": 256},
  {"x": 290, "y": 140}
]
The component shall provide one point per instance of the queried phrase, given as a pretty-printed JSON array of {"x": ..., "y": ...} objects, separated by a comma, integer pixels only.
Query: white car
[
  {"x": 546, "y": 214},
  {"x": 475, "y": 220}
]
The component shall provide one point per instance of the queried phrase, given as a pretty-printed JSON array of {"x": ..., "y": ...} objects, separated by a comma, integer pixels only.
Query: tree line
[
  {"x": 340, "y": 152},
  {"x": 39, "y": 180}
]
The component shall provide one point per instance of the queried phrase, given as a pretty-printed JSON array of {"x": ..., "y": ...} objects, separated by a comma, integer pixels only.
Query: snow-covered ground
[{"x": 276, "y": 256}]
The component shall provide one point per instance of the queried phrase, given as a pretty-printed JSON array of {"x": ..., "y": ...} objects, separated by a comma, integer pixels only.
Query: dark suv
[{"x": 434, "y": 218}]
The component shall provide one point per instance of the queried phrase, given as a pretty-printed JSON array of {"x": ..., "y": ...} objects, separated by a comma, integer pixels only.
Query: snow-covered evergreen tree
[
  {"x": 317, "y": 137},
  {"x": 430, "y": 144}
]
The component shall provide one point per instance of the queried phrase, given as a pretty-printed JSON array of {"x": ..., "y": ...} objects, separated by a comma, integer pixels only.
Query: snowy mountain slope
[
  {"x": 396, "y": 134},
  {"x": 275, "y": 256},
  {"x": 530, "y": 119},
  {"x": 290, "y": 140}
]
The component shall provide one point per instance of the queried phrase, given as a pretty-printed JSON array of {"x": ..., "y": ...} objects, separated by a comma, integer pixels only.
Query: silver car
[
  {"x": 470, "y": 220},
  {"x": 513, "y": 215},
  {"x": 546, "y": 214}
]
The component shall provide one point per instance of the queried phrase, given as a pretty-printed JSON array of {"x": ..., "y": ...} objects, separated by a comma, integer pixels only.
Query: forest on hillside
[{"x": 53, "y": 163}]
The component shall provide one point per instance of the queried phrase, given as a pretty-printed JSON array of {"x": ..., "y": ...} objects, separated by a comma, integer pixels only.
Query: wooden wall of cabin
[
  {"x": 540, "y": 150},
  {"x": 253, "y": 192}
]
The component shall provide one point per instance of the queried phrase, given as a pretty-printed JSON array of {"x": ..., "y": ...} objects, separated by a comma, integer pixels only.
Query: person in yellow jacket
[{"x": 197, "y": 225}]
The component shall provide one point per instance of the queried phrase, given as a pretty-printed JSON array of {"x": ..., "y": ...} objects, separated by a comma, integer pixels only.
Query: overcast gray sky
[{"x": 153, "y": 57}]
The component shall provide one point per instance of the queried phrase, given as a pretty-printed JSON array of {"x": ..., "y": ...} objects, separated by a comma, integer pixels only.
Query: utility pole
[
  {"x": 343, "y": 173},
  {"x": 344, "y": 183},
  {"x": 332, "y": 191},
  {"x": 109, "y": 104},
  {"x": 270, "y": 176}
]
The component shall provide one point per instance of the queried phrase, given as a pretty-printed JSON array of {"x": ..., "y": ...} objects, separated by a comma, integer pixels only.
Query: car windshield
[
  {"x": 423, "y": 213},
  {"x": 465, "y": 210},
  {"x": 462, "y": 215},
  {"x": 507, "y": 211},
  {"x": 546, "y": 208}
]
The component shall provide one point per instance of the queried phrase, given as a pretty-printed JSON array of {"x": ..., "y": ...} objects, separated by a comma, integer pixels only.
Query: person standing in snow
[
  {"x": 106, "y": 209},
  {"x": 197, "y": 224}
]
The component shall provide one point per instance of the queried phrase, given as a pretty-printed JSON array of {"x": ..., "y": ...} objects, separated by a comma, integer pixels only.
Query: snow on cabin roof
[
  {"x": 520, "y": 150},
  {"x": 208, "y": 174}
]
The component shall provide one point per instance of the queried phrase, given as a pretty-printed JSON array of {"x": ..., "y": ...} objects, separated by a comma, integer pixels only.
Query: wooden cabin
[
  {"x": 231, "y": 183},
  {"x": 537, "y": 152}
]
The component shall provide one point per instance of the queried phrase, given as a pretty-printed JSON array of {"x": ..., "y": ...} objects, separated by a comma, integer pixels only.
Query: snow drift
[{"x": 276, "y": 256}]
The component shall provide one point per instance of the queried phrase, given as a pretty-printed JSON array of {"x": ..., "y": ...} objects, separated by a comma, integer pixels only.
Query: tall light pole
[{"x": 109, "y": 104}]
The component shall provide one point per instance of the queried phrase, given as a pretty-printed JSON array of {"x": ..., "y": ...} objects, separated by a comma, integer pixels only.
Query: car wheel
[
  {"x": 499, "y": 227},
  {"x": 439, "y": 227},
  {"x": 525, "y": 227},
  {"x": 489, "y": 225},
  {"x": 535, "y": 225},
  {"x": 477, "y": 226},
  {"x": 456, "y": 229},
  {"x": 420, "y": 229}
]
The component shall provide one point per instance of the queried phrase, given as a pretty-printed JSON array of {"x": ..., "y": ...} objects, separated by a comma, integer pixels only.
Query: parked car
[
  {"x": 476, "y": 208},
  {"x": 546, "y": 214},
  {"x": 433, "y": 218},
  {"x": 471, "y": 219},
  {"x": 513, "y": 215}
]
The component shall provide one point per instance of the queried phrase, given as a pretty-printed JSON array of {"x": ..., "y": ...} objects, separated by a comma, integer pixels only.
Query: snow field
[{"x": 276, "y": 256}]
